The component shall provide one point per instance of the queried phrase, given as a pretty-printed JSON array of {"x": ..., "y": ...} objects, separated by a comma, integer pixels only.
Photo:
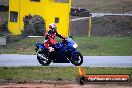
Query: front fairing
[
  {"x": 71, "y": 42},
  {"x": 65, "y": 47}
]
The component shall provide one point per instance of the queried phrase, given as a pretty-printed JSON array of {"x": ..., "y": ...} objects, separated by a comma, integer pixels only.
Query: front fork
[{"x": 74, "y": 53}]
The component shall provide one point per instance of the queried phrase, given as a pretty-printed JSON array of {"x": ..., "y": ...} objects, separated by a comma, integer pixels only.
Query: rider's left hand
[{"x": 64, "y": 38}]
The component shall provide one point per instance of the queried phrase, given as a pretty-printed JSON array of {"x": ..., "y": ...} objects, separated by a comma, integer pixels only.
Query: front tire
[
  {"x": 44, "y": 60},
  {"x": 77, "y": 59}
]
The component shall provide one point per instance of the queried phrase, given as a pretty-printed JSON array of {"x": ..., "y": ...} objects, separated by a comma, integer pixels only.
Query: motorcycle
[{"x": 64, "y": 52}]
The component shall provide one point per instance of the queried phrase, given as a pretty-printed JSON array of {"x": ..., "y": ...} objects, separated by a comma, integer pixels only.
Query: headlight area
[{"x": 75, "y": 46}]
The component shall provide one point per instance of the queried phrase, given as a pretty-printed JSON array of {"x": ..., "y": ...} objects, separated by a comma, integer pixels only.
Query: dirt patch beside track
[
  {"x": 61, "y": 84},
  {"x": 40, "y": 85},
  {"x": 103, "y": 26}
]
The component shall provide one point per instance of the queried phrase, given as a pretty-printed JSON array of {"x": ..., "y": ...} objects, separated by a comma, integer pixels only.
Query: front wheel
[
  {"x": 43, "y": 59},
  {"x": 77, "y": 59}
]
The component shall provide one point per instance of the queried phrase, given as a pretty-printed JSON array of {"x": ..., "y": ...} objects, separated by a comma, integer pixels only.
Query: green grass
[
  {"x": 115, "y": 46},
  {"x": 105, "y": 45},
  {"x": 54, "y": 73},
  {"x": 38, "y": 73},
  {"x": 24, "y": 46}
]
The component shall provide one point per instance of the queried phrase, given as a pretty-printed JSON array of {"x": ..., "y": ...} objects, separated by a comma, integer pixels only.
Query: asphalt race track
[{"x": 16, "y": 60}]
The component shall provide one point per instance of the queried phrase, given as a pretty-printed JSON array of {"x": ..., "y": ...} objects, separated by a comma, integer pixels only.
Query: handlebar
[{"x": 65, "y": 41}]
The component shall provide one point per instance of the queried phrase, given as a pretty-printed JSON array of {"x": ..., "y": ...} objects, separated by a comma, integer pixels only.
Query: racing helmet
[{"x": 52, "y": 26}]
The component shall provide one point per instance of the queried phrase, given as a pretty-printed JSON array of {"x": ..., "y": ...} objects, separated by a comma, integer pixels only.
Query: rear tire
[{"x": 77, "y": 60}]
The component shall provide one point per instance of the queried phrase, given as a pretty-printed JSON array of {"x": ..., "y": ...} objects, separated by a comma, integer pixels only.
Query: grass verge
[
  {"x": 105, "y": 46},
  {"x": 53, "y": 73},
  {"x": 109, "y": 46}
]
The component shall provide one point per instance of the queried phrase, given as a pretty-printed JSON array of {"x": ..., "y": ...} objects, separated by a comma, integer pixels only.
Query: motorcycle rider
[{"x": 50, "y": 36}]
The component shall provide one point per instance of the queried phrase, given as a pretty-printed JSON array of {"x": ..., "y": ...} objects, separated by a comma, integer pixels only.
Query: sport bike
[{"x": 64, "y": 52}]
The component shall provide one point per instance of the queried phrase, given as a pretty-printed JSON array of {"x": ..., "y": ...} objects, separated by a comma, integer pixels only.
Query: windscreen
[{"x": 70, "y": 40}]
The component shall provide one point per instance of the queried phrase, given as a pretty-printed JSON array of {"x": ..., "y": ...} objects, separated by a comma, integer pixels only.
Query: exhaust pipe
[{"x": 44, "y": 58}]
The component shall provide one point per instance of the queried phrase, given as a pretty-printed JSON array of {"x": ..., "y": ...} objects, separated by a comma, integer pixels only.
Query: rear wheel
[
  {"x": 43, "y": 59},
  {"x": 77, "y": 59}
]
